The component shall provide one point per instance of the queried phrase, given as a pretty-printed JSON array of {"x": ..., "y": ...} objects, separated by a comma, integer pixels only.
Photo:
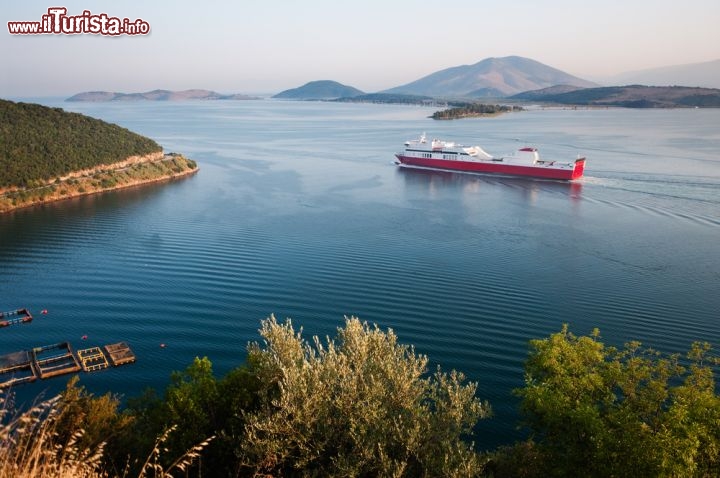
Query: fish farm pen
[{"x": 57, "y": 359}]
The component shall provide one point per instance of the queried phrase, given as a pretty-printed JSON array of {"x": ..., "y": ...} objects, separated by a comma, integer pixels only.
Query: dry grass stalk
[{"x": 29, "y": 447}]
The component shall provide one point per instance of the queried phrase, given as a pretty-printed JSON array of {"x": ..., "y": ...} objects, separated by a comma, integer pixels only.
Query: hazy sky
[{"x": 253, "y": 46}]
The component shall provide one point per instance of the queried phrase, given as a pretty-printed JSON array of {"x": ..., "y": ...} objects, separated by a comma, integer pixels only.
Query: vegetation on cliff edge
[{"x": 104, "y": 179}]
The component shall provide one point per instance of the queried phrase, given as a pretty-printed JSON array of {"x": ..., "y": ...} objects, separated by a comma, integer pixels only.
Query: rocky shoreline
[{"x": 133, "y": 171}]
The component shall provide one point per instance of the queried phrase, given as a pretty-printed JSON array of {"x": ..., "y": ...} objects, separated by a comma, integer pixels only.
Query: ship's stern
[{"x": 579, "y": 168}]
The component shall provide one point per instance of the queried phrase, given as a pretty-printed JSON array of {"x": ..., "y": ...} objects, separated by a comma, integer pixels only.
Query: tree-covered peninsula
[{"x": 48, "y": 154}]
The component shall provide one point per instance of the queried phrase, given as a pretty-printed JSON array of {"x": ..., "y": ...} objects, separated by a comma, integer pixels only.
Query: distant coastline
[
  {"x": 631, "y": 96},
  {"x": 156, "y": 95},
  {"x": 131, "y": 172}
]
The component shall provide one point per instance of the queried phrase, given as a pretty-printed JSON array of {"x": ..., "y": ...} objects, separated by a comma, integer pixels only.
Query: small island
[
  {"x": 473, "y": 110},
  {"x": 47, "y": 154}
]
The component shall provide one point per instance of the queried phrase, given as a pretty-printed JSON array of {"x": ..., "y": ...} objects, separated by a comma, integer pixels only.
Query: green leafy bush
[{"x": 621, "y": 412}]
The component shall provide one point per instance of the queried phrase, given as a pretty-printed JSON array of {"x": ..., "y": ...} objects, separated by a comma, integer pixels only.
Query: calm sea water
[{"x": 299, "y": 211}]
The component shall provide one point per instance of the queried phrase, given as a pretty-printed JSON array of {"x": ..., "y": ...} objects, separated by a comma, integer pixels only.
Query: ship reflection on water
[{"x": 437, "y": 183}]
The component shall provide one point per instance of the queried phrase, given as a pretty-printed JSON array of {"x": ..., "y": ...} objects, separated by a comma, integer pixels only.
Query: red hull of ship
[{"x": 497, "y": 168}]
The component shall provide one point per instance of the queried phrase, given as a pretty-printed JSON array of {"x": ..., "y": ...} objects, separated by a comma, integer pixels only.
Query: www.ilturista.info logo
[{"x": 58, "y": 22}]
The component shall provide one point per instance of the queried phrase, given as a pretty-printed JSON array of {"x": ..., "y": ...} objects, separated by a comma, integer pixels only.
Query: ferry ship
[{"x": 446, "y": 155}]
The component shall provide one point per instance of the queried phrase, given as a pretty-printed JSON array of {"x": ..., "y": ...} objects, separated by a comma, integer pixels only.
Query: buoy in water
[
  {"x": 162, "y": 346},
  {"x": 44, "y": 311},
  {"x": 84, "y": 337}
]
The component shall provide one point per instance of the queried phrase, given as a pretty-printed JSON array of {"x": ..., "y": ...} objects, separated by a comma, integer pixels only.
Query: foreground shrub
[
  {"x": 359, "y": 405},
  {"x": 195, "y": 405},
  {"x": 600, "y": 411}
]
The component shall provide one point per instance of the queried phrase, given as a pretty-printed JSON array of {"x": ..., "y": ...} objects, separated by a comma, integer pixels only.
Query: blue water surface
[{"x": 299, "y": 211}]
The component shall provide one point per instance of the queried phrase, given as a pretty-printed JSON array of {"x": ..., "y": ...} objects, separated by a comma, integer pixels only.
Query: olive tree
[{"x": 357, "y": 405}]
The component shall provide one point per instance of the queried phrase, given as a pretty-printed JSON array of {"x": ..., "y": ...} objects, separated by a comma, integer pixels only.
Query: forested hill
[
  {"x": 631, "y": 96},
  {"x": 38, "y": 143},
  {"x": 319, "y": 90}
]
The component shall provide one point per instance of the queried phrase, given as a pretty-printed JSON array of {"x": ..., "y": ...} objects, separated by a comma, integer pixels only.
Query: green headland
[{"x": 48, "y": 154}]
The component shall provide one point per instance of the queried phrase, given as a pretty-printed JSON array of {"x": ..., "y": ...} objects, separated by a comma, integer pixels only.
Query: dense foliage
[
  {"x": 363, "y": 405},
  {"x": 621, "y": 412},
  {"x": 201, "y": 406},
  {"x": 38, "y": 143}
]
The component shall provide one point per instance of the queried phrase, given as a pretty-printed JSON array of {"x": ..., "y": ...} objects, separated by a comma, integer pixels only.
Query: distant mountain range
[
  {"x": 705, "y": 75},
  {"x": 492, "y": 77},
  {"x": 319, "y": 90},
  {"x": 633, "y": 96},
  {"x": 157, "y": 95},
  {"x": 515, "y": 77}
]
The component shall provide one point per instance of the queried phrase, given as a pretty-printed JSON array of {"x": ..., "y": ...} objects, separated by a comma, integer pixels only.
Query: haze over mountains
[{"x": 706, "y": 75}]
